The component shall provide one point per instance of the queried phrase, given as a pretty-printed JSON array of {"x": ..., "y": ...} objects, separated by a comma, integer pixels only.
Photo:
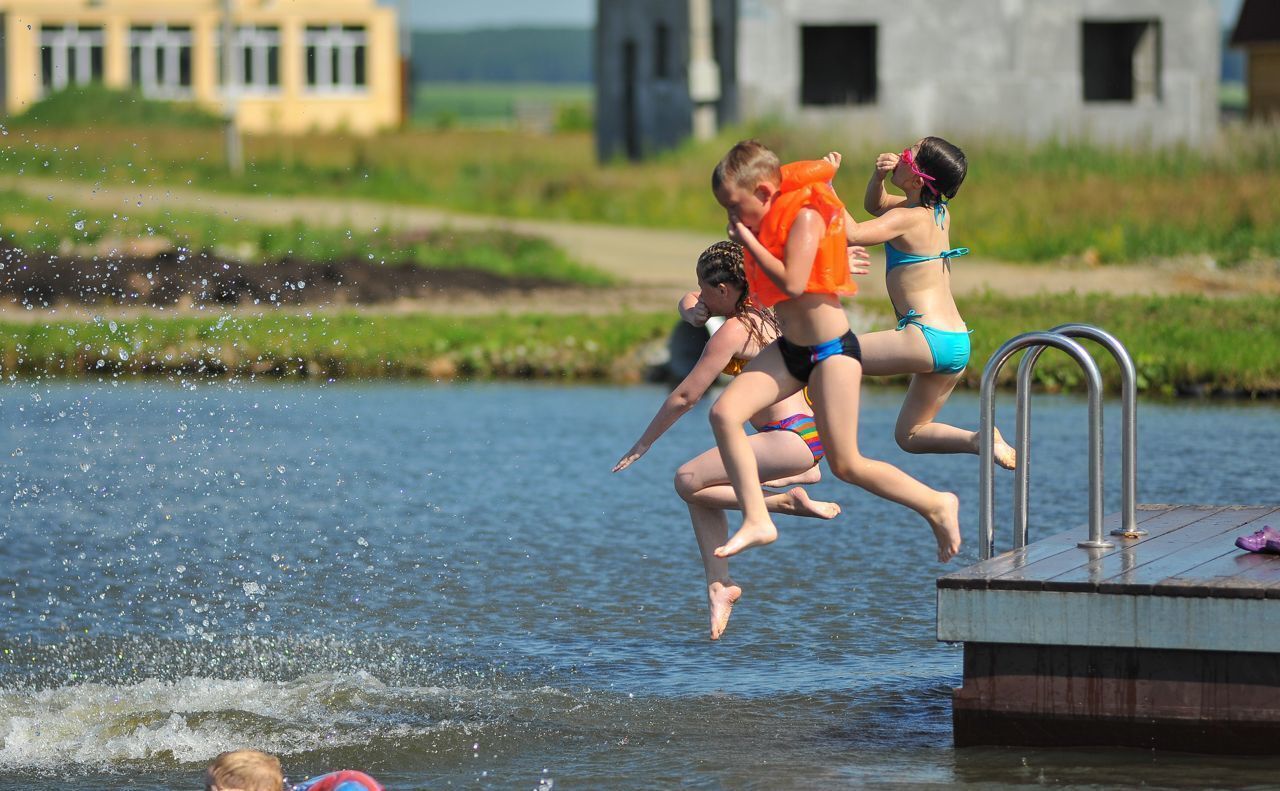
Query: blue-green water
[{"x": 445, "y": 586}]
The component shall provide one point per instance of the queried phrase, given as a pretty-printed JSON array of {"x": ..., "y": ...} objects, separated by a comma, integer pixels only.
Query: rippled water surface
[{"x": 445, "y": 586}]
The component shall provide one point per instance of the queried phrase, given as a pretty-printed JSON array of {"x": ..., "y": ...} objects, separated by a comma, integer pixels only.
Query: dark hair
[
  {"x": 722, "y": 263},
  {"x": 948, "y": 166}
]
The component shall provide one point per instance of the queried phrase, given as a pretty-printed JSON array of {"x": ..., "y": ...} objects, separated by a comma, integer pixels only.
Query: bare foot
[
  {"x": 945, "y": 521},
  {"x": 801, "y": 505},
  {"x": 811, "y": 475},
  {"x": 721, "y": 596},
  {"x": 1005, "y": 455},
  {"x": 748, "y": 536}
]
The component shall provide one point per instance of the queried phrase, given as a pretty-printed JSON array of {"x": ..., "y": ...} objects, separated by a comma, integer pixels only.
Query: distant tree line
[{"x": 554, "y": 55}]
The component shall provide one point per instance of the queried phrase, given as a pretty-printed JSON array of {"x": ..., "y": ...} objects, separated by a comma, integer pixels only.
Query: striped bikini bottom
[{"x": 803, "y": 426}]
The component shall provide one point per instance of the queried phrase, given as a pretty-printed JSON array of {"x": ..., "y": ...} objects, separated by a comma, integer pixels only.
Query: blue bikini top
[{"x": 894, "y": 258}]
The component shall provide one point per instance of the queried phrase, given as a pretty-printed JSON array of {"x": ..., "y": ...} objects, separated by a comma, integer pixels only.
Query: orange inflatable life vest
[{"x": 804, "y": 186}]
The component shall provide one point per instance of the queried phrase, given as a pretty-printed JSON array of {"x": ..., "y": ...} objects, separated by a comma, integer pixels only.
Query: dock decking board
[
  {"x": 978, "y": 576},
  {"x": 1138, "y": 567},
  {"x": 1180, "y": 539}
]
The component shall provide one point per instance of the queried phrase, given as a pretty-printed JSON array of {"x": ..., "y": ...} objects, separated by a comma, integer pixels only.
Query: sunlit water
[{"x": 445, "y": 586}]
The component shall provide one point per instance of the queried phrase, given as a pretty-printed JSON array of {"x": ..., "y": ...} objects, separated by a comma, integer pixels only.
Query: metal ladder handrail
[
  {"x": 1128, "y": 431},
  {"x": 987, "y": 438}
]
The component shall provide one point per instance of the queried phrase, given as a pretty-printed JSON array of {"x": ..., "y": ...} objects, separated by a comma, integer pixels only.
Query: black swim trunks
[{"x": 800, "y": 360}]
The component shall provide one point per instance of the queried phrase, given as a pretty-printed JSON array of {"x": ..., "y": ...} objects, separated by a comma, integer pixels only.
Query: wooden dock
[{"x": 1169, "y": 640}]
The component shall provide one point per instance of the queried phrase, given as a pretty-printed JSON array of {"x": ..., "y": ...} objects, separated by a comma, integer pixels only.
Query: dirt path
[{"x": 657, "y": 262}]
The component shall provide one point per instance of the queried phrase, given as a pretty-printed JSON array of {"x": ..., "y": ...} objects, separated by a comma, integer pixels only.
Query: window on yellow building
[
  {"x": 160, "y": 59},
  {"x": 336, "y": 56},
  {"x": 69, "y": 55},
  {"x": 257, "y": 58}
]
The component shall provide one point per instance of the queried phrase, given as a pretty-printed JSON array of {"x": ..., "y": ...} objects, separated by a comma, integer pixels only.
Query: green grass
[
  {"x": 343, "y": 345},
  {"x": 1180, "y": 345},
  {"x": 40, "y": 226},
  {"x": 95, "y": 105},
  {"x": 1020, "y": 203},
  {"x": 444, "y": 104}
]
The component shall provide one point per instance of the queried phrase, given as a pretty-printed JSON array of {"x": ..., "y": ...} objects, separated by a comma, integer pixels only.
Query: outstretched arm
[
  {"x": 791, "y": 274},
  {"x": 715, "y": 356},
  {"x": 877, "y": 201}
]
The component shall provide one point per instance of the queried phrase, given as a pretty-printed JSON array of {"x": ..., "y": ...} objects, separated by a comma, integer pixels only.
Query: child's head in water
[
  {"x": 934, "y": 167},
  {"x": 745, "y": 182},
  {"x": 244, "y": 770}
]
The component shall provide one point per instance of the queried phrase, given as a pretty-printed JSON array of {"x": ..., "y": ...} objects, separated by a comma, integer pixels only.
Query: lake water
[{"x": 446, "y": 587}]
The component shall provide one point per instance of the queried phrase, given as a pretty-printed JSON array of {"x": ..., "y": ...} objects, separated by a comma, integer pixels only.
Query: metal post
[
  {"x": 230, "y": 93},
  {"x": 1129, "y": 430},
  {"x": 986, "y": 434},
  {"x": 704, "y": 72}
]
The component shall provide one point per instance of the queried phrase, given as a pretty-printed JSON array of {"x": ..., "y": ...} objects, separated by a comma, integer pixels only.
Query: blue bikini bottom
[{"x": 950, "y": 350}]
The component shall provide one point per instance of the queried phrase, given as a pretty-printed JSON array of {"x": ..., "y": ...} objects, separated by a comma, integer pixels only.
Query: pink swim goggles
[{"x": 910, "y": 159}]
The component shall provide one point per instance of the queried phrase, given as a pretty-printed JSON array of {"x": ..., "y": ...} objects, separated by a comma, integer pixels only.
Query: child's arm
[
  {"x": 692, "y": 311},
  {"x": 877, "y": 201},
  {"x": 884, "y": 228},
  {"x": 731, "y": 337},
  {"x": 791, "y": 274}
]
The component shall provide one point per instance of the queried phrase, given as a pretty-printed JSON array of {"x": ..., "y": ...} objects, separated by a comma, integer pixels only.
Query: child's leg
[
  {"x": 835, "y": 387},
  {"x": 711, "y": 528},
  {"x": 917, "y": 432},
  {"x": 703, "y": 481},
  {"x": 895, "y": 352},
  {"x": 811, "y": 475},
  {"x": 765, "y": 381}
]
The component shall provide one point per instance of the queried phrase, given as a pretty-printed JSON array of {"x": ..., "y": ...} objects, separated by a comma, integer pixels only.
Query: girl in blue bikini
[{"x": 931, "y": 341}]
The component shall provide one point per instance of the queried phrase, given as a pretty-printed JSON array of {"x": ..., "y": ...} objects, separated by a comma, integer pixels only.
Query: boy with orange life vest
[{"x": 792, "y": 226}]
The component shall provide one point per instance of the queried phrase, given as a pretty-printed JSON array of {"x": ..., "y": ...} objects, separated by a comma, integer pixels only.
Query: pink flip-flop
[{"x": 1265, "y": 540}]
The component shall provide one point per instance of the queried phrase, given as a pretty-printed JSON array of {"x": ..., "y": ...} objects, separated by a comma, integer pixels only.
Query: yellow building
[{"x": 296, "y": 65}]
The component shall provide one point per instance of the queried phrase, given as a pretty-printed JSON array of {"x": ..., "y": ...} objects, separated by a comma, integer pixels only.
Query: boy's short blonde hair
[
  {"x": 747, "y": 164},
  {"x": 245, "y": 770}
]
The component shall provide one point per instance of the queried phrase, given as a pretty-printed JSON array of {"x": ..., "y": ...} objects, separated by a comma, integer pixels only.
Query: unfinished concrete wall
[{"x": 1011, "y": 68}]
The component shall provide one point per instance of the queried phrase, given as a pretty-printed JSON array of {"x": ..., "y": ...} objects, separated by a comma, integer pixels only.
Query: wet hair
[
  {"x": 722, "y": 263},
  {"x": 249, "y": 770},
  {"x": 747, "y": 164},
  {"x": 946, "y": 163}
]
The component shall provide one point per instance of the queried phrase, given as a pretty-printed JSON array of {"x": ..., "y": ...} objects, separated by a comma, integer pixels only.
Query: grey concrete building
[{"x": 1126, "y": 72}]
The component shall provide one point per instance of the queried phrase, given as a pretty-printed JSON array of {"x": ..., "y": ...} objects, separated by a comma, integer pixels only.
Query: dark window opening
[
  {"x": 361, "y": 78},
  {"x": 46, "y": 67},
  {"x": 661, "y": 46},
  {"x": 838, "y": 65},
  {"x": 1121, "y": 61}
]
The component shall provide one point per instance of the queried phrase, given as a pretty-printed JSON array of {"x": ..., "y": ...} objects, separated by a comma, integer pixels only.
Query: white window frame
[
  {"x": 330, "y": 41},
  {"x": 62, "y": 39},
  {"x": 258, "y": 41},
  {"x": 168, "y": 43}
]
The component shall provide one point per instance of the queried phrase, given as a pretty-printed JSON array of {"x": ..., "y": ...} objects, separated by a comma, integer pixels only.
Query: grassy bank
[
  {"x": 338, "y": 346},
  {"x": 1020, "y": 202},
  {"x": 1181, "y": 345},
  {"x": 37, "y": 226}
]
